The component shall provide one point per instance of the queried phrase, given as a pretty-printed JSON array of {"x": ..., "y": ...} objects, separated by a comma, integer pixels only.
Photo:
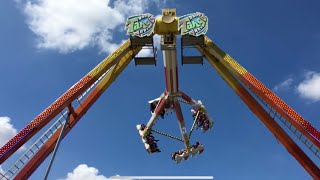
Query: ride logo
[
  {"x": 194, "y": 24},
  {"x": 140, "y": 25}
]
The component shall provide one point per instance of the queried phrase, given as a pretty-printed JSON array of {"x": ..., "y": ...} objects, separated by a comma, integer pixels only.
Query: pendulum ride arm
[
  {"x": 160, "y": 107},
  {"x": 117, "y": 61},
  {"x": 231, "y": 72},
  {"x": 195, "y": 103},
  {"x": 182, "y": 124}
]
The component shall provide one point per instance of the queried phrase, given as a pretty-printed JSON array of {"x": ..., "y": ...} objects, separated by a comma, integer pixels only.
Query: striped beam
[
  {"x": 48, "y": 147},
  {"x": 54, "y": 109},
  {"x": 264, "y": 116},
  {"x": 266, "y": 94},
  {"x": 182, "y": 124}
]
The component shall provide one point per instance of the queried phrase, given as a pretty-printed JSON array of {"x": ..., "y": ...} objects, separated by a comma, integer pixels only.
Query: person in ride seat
[
  {"x": 201, "y": 120},
  {"x": 205, "y": 119},
  {"x": 152, "y": 107},
  {"x": 194, "y": 113},
  {"x": 206, "y": 125},
  {"x": 186, "y": 155},
  {"x": 151, "y": 139},
  {"x": 152, "y": 142},
  {"x": 179, "y": 152},
  {"x": 153, "y": 145},
  {"x": 173, "y": 155},
  {"x": 195, "y": 146},
  {"x": 154, "y": 148},
  {"x": 143, "y": 126}
]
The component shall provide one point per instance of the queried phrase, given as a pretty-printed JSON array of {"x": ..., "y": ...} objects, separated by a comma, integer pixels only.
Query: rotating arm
[
  {"x": 155, "y": 114},
  {"x": 198, "y": 104},
  {"x": 182, "y": 124}
]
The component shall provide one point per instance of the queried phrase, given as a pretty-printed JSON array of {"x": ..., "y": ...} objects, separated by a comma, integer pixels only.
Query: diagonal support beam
[
  {"x": 56, "y": 147},
  {"x": 48, "y": 147},
  {"x": 68, "y": 97},
  {"x": 264, "y": 116},
  {"x": 265, "y": 93}
]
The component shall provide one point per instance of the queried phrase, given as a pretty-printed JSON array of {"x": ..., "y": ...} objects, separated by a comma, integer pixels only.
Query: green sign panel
[
  {"x": 140, "y": 25},
  {"x": 194, "y": 24}
]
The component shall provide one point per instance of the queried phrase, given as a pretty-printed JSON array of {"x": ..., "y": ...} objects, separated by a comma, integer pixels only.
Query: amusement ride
[{"x": 63, "y": 114}]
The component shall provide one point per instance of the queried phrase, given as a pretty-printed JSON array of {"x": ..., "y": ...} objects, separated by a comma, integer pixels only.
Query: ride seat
[
  {"x": 139, "y": 130},
  {"x": 179, "y": 157},
  {"x": 198, "y": 150},
  {"x": 143, "y": 139}
]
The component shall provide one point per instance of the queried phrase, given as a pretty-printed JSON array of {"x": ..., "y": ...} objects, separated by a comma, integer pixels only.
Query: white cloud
[
  {"x": 131, "y": 6},
  {"x": 83, "y": 172},
  {"x": 147, "y": 52},
  {"x": 285, "y": 85},
  {"x": 7, "y": 131},
  {"x": 70, "y": 25},
  {"x": 309, "y": 88}
]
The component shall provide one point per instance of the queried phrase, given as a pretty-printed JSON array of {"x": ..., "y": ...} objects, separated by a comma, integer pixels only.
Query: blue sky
[{"x": 277, "y": 41}]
